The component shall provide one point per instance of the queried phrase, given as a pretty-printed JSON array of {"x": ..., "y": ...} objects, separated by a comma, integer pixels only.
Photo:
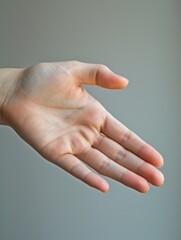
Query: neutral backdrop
[{"x": 139, "y": 39}]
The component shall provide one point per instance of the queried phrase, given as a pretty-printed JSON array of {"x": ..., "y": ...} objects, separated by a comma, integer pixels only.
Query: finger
[
  {"x": 100, "y": 75},
  {"x": 105, "y": 166},
  {"x": 129, "y": 160},
  {"x": 118, "y": 132},
  {"x": 75, "y": 167}
]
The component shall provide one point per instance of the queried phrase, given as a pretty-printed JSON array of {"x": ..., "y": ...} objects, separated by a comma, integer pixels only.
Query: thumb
[{"x": 100, "y": 75}]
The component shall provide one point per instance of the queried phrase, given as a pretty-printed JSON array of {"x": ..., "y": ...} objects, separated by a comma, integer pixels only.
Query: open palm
[{"x": 53, "y": 113}]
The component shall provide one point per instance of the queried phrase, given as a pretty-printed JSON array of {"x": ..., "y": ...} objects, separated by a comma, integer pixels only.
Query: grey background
[{"x": 139, "y": 39}]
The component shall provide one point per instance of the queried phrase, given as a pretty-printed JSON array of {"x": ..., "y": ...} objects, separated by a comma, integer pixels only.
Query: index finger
[{"x": 115, "y": 130}]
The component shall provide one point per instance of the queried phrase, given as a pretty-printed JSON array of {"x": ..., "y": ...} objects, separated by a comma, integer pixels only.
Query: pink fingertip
[
  {"x": 152, "y": 156},
  {"x": 161, "y": 163},
  {"x": 97, "y": 182},
  {"x": 124, "y": 81},
  {"x": 160, "y": 179},
  {"x": 104, "y": 187},
  {"x": 136, "y": 182}
]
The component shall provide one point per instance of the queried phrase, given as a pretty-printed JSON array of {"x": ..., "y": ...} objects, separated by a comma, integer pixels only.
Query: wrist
[{"x": 8, "y": 84}]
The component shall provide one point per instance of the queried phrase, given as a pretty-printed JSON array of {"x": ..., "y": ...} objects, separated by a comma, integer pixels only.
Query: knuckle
[
  {"x": 71, "y": 65},
  {"x": 52, "y": 152},
  {"x": 77, "y": 146},
  {"x": 126, "y": 136},
  {"x": 102, "y": 67},
  {"x": 74, "y": 169},
  {"x": 104, "y": 166},
  {"x": 121, "y": 156}
]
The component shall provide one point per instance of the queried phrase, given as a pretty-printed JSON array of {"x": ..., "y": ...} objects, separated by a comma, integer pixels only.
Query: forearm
[{"x": 8, "y": 84}]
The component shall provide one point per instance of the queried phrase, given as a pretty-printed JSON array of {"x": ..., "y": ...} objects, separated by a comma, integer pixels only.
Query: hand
[{"x": 51, "y": 111}]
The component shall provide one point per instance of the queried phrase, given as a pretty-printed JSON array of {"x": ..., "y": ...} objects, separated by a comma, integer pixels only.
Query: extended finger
[
  {"x": 75, "y": 167},
  {"x": 115, "y": 130},
  {"x": 98, "y": 74},
  {"x": 129, "y": 160},
  {"x": 105, "y": 166}
]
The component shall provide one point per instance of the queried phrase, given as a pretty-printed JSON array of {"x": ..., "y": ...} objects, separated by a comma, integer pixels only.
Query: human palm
[{"x": 53, "y": 113}]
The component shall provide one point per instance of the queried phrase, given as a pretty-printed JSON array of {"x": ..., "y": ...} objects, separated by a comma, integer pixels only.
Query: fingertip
[
  {"x": 123, "y": 82},
  {"x": 104, "y": 187},
  {"x": 160, "y": 161},
  {"x": 159, "y": 179},
  {"x": 106, "y": 78},
  {"x": 97, "y": 182},
  {"x": 143, "y": 186},
  {"x": 151, "y": 155}
]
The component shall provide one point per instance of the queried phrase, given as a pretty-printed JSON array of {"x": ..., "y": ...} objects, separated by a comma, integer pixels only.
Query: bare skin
[{"x": 48, "y": 107}]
